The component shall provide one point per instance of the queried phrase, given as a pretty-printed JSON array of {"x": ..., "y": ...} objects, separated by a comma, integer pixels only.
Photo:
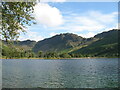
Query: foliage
[
  {"x": 15, "y": 17},
  {"x": 40, "y": 54},
  {"x": 65, "y": 55},
  {"x": 51, "y": 55}
]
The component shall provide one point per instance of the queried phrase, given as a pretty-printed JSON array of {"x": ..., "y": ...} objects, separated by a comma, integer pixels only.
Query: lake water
[{"x": 72, "y": 73}]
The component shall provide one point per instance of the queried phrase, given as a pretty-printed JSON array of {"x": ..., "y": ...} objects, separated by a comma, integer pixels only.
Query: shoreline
[{"x": 61, "y": 58}]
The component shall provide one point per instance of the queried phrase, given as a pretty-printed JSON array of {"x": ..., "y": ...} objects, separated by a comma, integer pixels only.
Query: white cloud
[
  {"x": 52, "y": 34},
  {"x": 103, "y": 18},
  {"x": 89, "y": 23},
  {"x": 86, "y": 23},
  {"x": 31, "y": 35},
  {"x": 111, "y": 28},
  {"x": 87, "y": 35},
  {"x": 47, "y": 15},
  {"x": 94, "y": 21},
  {"x": 34, "y": 36}
]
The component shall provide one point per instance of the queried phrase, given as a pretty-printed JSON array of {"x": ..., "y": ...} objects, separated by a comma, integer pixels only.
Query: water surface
[{"x": 72, "y": 73}]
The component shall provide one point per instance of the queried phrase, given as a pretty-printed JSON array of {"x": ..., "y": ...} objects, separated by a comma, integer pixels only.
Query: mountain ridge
[
  {"x": 58, "y": 42},
  {"x": 103, "y": 44}
]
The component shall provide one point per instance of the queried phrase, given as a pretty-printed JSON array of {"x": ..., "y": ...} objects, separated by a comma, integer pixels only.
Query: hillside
[
  {"x": 65, "y": 45},
  {"x": 17, "y": 49},
  {"x": 106, "y": 45},
  {"x": 59, "y": 42},
  {"x": 102, "y": 44},
  {"x": 29, "y": 43},
  {"x": 26, "y": 45}
]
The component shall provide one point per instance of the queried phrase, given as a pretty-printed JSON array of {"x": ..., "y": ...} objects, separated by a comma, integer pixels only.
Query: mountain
[
  {"x": 26, "y": 44},
  {"x": 17, "y": 49},
  {"x": 29, "y": 43},
  {"x": 59, "y": 42},
  {"x": 102, "y": 44},
  {"x": 105, "y": 45}
]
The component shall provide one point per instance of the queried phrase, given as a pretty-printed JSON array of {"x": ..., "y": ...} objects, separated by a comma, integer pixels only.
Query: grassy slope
[{"x": 107, "y": 45}]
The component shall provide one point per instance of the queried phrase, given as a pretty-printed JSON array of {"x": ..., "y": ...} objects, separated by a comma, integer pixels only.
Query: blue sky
[{"x": 83, "y": 18}]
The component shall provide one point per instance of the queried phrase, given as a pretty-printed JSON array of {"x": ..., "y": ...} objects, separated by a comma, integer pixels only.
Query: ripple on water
[{"x": 63, "y": 74}]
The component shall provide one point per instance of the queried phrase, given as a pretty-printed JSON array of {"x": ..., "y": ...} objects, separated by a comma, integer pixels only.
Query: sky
[{"x": 85, "y": 19}]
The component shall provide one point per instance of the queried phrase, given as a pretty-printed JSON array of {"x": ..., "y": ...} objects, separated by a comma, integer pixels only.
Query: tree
[
  {"x": 15, "y": 17},
  {"x": 65, "y": 55},
  {"x": 40, "y": 54},
  {"x": 29, "y": 54},
  {"x": 51, "y": 55}
]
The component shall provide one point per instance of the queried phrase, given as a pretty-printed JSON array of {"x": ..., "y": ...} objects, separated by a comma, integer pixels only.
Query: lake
[{"x": 68, "y": 73}]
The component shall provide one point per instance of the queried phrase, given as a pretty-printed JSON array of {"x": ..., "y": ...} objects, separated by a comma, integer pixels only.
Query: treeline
[
  {"x": 10, "y": 52},
  {"x": 13, "y": 53},
  {"x": 16, "y": 53}
]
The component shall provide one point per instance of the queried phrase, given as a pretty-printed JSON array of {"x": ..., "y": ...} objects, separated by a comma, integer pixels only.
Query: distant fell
[
  {"x": 59, "y": 42},
  {"x": 105, "y": 45}
]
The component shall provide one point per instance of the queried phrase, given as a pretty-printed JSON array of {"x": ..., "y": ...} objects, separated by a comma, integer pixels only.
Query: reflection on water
[{"x": 74, "y": 73}]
